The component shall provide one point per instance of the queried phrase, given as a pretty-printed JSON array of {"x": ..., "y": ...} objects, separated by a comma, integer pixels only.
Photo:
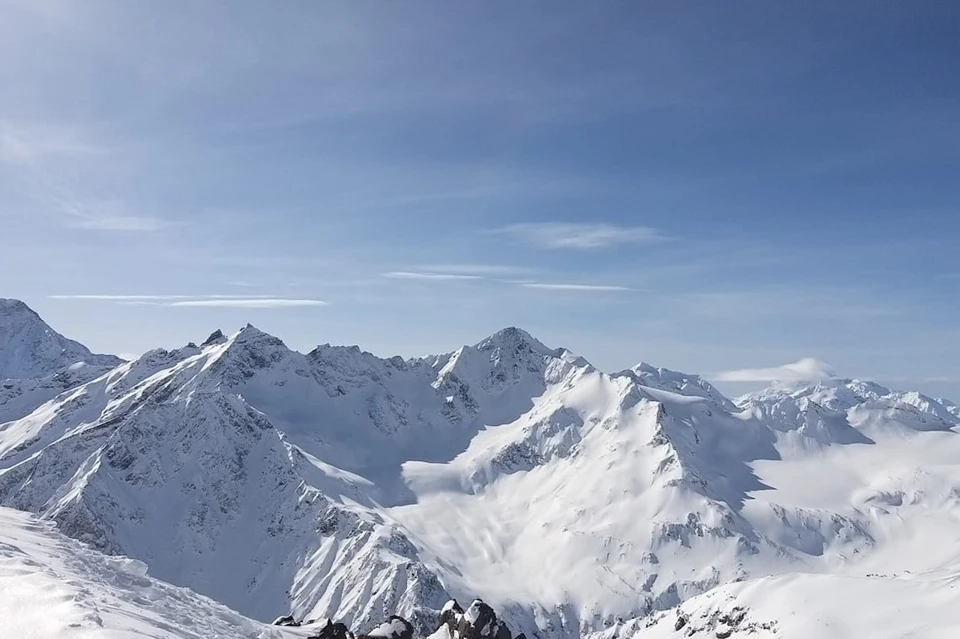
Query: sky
[{"x": 745, "y": 190}]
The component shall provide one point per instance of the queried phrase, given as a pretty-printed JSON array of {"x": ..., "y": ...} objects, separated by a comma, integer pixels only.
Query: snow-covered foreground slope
[
  {"x": 52, "y": 587},
  {"x": 797, "y": 606},
  {"x": 339, "y": 484}
]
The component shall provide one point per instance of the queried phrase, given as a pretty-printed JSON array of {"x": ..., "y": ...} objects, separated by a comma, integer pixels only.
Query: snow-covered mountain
[
  {"x": 30, "y": 349},
  {"x": 37, "y": 363},
  {"x": 336, "y": 483}
]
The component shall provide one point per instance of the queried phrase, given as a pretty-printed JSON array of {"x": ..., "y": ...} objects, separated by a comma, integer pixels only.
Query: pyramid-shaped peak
[
  {"x": 515, "y": 338},
  {"x": 251, "y": 331},
  {"x": 8, "y": 303},
  {"x": 15, "y": 308},
  {"x": 29, "y": 348},
  {"x": 251, "y": 336}
]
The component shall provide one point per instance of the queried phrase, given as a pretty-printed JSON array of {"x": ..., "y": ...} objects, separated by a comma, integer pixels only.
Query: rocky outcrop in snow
[{"x": 478, "y": 621}]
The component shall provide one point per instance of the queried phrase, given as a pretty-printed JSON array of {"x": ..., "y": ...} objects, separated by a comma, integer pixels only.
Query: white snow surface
[
  {"x": 797, "y": 606},
  {"x": 338, "y": 484},
  {"x": 392, "y": 628},
  {"x": 53, "y": 587}
]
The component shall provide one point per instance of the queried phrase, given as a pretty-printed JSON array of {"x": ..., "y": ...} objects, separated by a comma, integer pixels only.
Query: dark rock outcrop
[
  {"x": 216, "y": 337},
  {"x": 286, "y": 620},
  {"x": 449, "y": 615},
  {"x": 333, "y": 631},
  {"x": 478, "y": 621}
]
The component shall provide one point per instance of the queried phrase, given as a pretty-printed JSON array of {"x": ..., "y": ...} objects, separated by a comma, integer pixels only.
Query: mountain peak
[
  {"x": 29, "y": 348},
  {"x": 10, "y": 305},
  {"x": 517, "y": 338},
  {"x": 644, "y": 367},
  {"x": 677, "y": 382},
  {"x": 250, "y": 333}
]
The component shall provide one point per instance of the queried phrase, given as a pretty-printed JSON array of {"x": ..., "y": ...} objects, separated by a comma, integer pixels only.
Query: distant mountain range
[{"x": 339, "y": 484}]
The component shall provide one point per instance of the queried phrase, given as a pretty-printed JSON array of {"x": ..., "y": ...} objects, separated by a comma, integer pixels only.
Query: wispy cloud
[
  {"x": 560, "y": 235},
  {"x": 415, "y": 275},
  {"x": 31, "y": 144},
  {"x": 250, "y": 303},
  {"x": 806, "y": 369},
  {"x": 487, "y": 270},
  {"x": 108, "y": 215},
  {"x": 212, "y": 301},
  {"x": 523, "y": 283},
  {"x": 575, "y": 287},
  {"x": 130, "y": 298}
]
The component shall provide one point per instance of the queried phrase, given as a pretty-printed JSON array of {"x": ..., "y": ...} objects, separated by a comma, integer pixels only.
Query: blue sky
[{"x": 713, "y": 187}]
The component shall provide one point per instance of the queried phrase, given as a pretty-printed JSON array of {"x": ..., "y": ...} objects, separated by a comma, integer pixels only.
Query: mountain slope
[
  {"x": 53, "y": 586},
  {"x": 176, "y": 469}
]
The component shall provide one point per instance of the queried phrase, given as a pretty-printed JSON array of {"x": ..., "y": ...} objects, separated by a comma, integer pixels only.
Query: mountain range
[{"x": 577, "y": 502}]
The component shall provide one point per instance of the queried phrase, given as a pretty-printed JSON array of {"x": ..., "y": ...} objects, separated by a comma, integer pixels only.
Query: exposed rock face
[
  {"x": 333, "y": 631},
  {"x": 478, "y": 621},
  {"x": 216, "y": 337},
  {"x": 450, "y": 615}
]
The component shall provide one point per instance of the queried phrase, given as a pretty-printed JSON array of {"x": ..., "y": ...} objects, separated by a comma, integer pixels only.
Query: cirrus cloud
[
  {"x": 250, "y": 303},
  {"x": 576, "y": 287},
  {"x": 187, "y": 301},
  {"x": 416, "y": 275},
  {"x": 579, "y": 236}
]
